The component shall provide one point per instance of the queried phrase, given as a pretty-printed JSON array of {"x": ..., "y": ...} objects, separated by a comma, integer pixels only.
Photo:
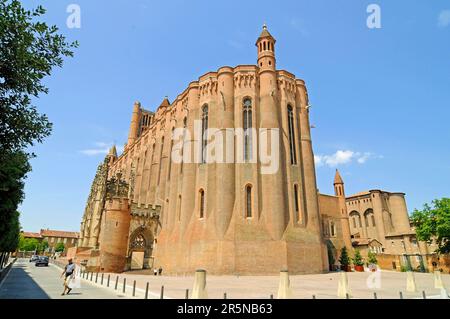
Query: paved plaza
[
  {"x": 27, "y": 281},
  {"x": 303, "y": 286}
]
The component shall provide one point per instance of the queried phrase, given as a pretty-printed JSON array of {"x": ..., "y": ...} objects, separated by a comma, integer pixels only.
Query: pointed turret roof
[
  {"x": 165, "y": 102},
  {"x": 338, "y": 178},
  {"x": 265, "y": 33},
  {"x": 113, "y": 151}
]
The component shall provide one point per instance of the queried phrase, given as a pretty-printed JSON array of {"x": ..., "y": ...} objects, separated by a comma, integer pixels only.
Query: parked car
[
  {"x": 34, "y": 258},
  {"x": 42, "y": 261}
]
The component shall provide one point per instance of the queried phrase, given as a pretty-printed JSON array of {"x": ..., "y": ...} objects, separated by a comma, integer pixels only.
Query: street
[{"x": 26, "y": 281}]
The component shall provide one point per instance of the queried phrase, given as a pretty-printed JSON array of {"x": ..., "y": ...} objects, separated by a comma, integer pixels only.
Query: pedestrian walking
[{"x": 69, "y": 274}]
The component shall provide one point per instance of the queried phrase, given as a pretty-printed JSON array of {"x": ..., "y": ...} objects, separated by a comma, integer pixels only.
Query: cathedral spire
[
  {"x": 338, "y": 185},
  {"x": 338, "y": 178},
  {"x": 113, "y": 151}
]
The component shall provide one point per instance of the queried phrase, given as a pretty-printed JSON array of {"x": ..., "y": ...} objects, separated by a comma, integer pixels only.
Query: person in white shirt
[{"x": 69, "y": 273}]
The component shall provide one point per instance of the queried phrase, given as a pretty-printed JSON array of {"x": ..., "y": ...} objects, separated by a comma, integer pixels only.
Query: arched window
[
  {"x": 204, "y": 128},
  {"x": 332, "y": 229},
  {"x": 182, "y": 147},
  {"x": 138, "y": 242},
  {"x": 247, "y": 118},
  {"x": 296, "y": 198},
  {"x": 325, "y": 228},
  {"x": 202, "y": 203},
  {"x": 356, "y": 218},
  {"x": 170, "y": 155},
  {"x": 291, "y": 135},
  {"x": 160, "y": 159},
  {"x": 373, "y": 220},
  {"x": 179, "y": 208},
  {"x": 264, "y": 45},
  {"x": 248, "y": 201}
]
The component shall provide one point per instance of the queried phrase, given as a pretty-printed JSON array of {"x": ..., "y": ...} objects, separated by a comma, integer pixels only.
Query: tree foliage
[
  {"x": 372, "y": 258},
  {"x": 59, "y": 247},
  {"x": 357, "y": 259},
  {"x": 28, "y": 244},
  {"x": 43, "y": 245},
  {"x": 29, "y": 50},
  {"x": 433, "y": 221},
  {"x": 344, "y": 259},
  {"x": 13, "y": 169}
]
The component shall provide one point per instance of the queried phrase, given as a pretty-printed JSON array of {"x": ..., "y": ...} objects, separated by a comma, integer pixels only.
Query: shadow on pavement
[{"x": 19, "y": 285}]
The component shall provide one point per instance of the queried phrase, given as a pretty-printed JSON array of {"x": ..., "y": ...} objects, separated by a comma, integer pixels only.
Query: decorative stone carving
[{"x": 117, "y": 187}]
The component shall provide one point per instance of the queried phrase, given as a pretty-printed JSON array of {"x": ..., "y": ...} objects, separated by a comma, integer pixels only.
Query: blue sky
[{"x": 380, "y": 97}]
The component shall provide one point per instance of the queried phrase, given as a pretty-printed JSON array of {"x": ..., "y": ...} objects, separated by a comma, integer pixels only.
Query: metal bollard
[
  {"x": 401, "y": 295},
  {"x": 423, "y": 294},
  {"x": 92, "y": 274},
  {"x": 101, "y": 280},
  {"x": 134, "y": 288},
  {"x": 271, "y": 296},
  {"x": 375, "y": 295},
  {"x": 187, "y": 294},
  {"x": 146, "y": 291},
  {"x": 347, "y": 296},
  {"x": 117, "y": 282},
  {"x": 124, "y": 284},
  {"x": 162, "y": 292},
  {"x": 96, "y": 277},
  {"x": 107, "y": 282},
  {"x": 314, "y": 296},
  {"x": 224, "y": 295}
]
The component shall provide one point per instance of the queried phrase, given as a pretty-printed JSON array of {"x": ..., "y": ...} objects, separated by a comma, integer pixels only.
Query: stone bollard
[
  {"x": 444, "y": 294},
  {"x": 343, "y": 287},
  {"x": 199, "y": 289},
  {"x": 410, "y": 282},
  {"x": 438, "y": 280},
  {"x": 146, "y": 291},
  {"x": 284, "y": 287}
]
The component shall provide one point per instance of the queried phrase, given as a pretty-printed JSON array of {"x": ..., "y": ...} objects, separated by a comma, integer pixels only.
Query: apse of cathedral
[{"x": 148, "y": 209}]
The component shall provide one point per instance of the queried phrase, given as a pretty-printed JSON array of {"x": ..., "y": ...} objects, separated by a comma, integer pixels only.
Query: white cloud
[
  {"x": 444, "y": 18},
  {"x": 100, "y": 148},
  {"x": 342, "y": 157}
]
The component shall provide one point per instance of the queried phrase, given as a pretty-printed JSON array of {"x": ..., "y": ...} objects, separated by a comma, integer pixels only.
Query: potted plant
[
  {"x": 358, "y": 261},
  {"x": 344, "y": 260},
  {"x": 372, "y": 259}
]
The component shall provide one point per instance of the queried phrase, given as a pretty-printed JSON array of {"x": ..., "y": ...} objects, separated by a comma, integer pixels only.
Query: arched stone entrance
[{"x": 140, "y": 248}]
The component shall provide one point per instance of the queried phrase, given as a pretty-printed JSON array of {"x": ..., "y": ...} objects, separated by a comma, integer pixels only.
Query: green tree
[
  {"x": 357, "y": 259},
  {"x": 29, "y": 244},
  {"x": 43, "y": 245},
  {"x": 13, "y": 169},
  {"x": 344, "y": 259},
  {"x": 433, "y": 221},
  {"x": 29, "y": 50},
  {"x": 372, "y": 258},
  {"x": 59, "y": 247}
]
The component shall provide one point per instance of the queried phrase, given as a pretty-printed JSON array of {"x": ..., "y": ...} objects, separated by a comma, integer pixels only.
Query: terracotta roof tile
[
  {"x": 59, "y": 233},
  {"x": 31, "y": 235}
]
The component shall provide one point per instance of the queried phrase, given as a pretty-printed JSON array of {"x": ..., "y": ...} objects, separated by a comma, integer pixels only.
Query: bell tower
[
  {"x": 345, "y": 224},
  {"x": 266, "y": 50}
]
